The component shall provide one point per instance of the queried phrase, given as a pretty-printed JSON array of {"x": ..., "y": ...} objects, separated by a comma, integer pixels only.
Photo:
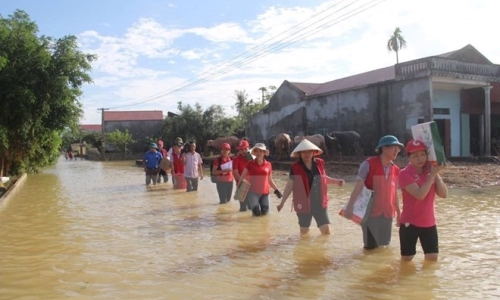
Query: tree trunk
[{"x": 1, "y": 167}]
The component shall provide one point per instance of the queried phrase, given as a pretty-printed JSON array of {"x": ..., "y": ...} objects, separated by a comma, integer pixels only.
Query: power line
[
  {"x": 267, "y": 49},
  {"x": 213, "y": 70}
]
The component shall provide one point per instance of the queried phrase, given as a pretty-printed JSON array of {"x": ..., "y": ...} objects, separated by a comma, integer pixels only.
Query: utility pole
[{"x": 103, "y": 135}]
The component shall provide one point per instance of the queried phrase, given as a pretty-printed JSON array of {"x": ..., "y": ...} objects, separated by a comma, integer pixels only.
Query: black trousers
[
  {"x": 192, "y": 184},
  {"x": 163, "y": 175}
]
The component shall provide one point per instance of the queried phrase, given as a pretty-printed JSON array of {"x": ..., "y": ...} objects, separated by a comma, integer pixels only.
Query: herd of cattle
[{"x": 335, "y": 143}]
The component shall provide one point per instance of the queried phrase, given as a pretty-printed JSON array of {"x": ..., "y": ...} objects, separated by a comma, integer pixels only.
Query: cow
[
  {"x": 347, "y": 142},
  {"x": 316, "y": 139},
  {"x": 215, "y": 144},
  {"x": 282, "y": 145},
  {"x": 270, "y": 145}
]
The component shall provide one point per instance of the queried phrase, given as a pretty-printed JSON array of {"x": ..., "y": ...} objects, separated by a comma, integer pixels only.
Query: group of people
[
  {"x": 184, "y": 163},
  {"x": 307, "y": 184},
  {"x": 419, "y": 182}
]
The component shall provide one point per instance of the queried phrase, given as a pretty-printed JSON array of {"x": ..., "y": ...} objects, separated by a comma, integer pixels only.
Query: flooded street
[{"x": 91, "y": 230}]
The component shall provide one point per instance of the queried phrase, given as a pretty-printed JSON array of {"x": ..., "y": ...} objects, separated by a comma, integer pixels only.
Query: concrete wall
[
  {"x": 415, "y": 104},
  {"x": 284, "y": 113},
  {"x": 373, "y": 111}
]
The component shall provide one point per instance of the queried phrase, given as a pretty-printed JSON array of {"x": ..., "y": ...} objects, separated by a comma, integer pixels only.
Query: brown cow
[
  {"x": 282, "y": 145},
  {"x": 316, "y": 139},
  {"x": 216, "y": 143}
]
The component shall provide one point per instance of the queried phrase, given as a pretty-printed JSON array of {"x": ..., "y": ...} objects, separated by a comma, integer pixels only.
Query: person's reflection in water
[
  {"x": 312, "y": 262},
  {"x": 395, "y": 279},
  {"x": 253, "y": 235}
]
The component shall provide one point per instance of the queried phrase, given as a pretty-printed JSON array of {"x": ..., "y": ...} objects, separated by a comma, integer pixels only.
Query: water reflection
[{"x": 92, "y": 230}]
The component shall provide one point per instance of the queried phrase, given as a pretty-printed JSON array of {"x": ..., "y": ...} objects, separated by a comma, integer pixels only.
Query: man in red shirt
[{"x": 239, "y": 162}]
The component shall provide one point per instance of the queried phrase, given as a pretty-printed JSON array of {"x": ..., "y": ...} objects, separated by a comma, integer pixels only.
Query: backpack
[{"x": 213, "y": 178}]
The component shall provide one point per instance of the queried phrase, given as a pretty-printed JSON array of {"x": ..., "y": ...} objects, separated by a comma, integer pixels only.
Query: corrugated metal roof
[
  {"x": 467, "y": 53},
  {"x": 359, "y": 80},
  {"x": 307, "y": 88},
  {"x": 91, "y": 127},
  {"x": 143, "y": 115}
]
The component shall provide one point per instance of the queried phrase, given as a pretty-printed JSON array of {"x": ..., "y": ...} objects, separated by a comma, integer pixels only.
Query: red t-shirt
[
  {"x": 259, "y": 176},
  {"x": 239, "y": 163},
  {"x": 228, "y": 177}
]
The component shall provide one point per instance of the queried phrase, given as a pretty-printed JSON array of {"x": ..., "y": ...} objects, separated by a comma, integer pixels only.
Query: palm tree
[
  {"x": 396, "y": 42},
  {"x": 263, "y": 89}
]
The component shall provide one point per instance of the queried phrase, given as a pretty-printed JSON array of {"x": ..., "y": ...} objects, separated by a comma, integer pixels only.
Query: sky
[{"x": 153, "y": 54}]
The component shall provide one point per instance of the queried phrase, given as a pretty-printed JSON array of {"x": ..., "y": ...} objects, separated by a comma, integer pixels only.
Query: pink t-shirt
[{"x": 419, "y": 213}]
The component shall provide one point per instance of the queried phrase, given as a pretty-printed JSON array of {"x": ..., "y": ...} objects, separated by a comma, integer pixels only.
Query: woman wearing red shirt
[
  {"x": 260, "y": 177},
  {"x": 224, "y": 176}
]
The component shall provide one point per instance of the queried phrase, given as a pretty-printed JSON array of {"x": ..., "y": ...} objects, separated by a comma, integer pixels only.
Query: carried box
[
  {"x": 242, "y": 191},
  {"x": 362, "y": 206},
  {"x": 428, "y": 134}
]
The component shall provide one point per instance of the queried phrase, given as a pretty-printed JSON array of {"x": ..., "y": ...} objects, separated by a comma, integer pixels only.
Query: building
[
  {"x": 91, "y": 127},
  {"x": 460, "y": 90},
  {"x": 141, "y": 125}
]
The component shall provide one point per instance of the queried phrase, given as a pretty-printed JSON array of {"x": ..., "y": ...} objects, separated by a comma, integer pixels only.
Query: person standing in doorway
[
  {"x": 420, "y": 183},
  {"x": 379, "y": 174},
  {"x": 151, "y": 161},
  {"x": 224, "y": 176},
  {"x": 239, "y": 162},
  {"x": 193, "y": 168},
  {"x": 308, "y": 181},
  {"x": 260, "y": 173}
]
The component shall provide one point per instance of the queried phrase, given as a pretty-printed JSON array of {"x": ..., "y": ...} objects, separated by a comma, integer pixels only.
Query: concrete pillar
[{"x": 487, "y": 121}]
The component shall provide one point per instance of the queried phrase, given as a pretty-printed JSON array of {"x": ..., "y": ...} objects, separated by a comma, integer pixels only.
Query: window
[{"x": 441, "y": 111}]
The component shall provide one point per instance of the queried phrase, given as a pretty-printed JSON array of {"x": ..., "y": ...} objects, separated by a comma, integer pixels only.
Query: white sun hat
[
  {"x": 305, "y": 145},
  {"x": 260, "y": 146}
]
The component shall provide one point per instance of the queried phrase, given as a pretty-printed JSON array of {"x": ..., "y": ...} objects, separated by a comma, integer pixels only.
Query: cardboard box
[
  {"x": 242, "y": 191},
  {"x": 428, "y": 133},
  {"x": 362, "y": 206}
]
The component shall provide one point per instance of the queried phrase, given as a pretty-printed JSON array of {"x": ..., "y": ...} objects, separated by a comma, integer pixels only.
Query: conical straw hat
[{"x": 304, "y": 146}]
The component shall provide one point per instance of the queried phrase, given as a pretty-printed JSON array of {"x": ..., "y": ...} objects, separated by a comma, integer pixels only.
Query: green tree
[
  {"x": 120, "y": 140},
  {"x": 396, "y": 42},
  {"x": 196, "y": 124},
  {"x": 246, "y": 108},
  {"x": 267, "y": 93},
  {"x": 40, "y": 79}
]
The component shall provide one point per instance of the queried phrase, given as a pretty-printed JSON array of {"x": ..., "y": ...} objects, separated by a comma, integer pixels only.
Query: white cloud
[{"x": 355, "y": 45}]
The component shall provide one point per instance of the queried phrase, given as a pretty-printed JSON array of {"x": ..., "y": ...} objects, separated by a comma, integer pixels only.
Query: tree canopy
[
  {"x": 41, "y": 79},
  {"x": 396, "y": 42},
  {"x": 196, "y": 124}
]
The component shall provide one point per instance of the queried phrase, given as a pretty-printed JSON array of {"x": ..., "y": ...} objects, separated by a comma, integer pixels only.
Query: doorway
[{"x": 444, "y": 129}]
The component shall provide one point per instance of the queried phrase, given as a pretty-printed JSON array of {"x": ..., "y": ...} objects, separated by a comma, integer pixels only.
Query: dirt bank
[{"x": 456, "y": 175}]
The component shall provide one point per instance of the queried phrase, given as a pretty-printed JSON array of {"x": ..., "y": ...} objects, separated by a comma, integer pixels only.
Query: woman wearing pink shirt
[{"x": 419, "y": 182}]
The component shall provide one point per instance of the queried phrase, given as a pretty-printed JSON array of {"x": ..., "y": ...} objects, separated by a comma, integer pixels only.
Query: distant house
[
  {"x": 91, "y": 127},
  {"x": 460, "y": 90},
  {"x": 140, "y": 124}
]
